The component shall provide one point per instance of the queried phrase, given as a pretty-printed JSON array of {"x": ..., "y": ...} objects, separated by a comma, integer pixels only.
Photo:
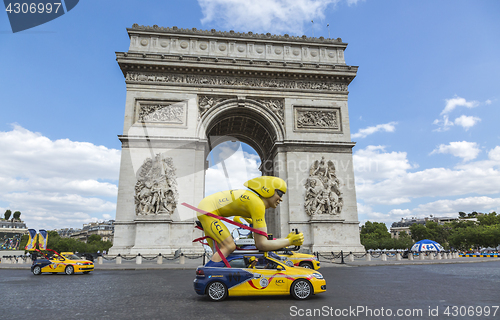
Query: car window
[{"x": 237, "y": 263}]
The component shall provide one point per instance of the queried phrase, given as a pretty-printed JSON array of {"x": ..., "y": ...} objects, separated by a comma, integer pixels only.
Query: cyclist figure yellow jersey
[{"x": 265, "y": 192}]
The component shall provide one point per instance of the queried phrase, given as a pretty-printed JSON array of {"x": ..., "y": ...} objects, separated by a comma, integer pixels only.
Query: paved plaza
[{"x": 415, "y": 289}]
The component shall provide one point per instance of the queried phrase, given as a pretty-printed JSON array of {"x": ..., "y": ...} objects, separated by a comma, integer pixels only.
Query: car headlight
[
  {"x": 80, "y": 264},
  {"x": 318, "y": 275}
]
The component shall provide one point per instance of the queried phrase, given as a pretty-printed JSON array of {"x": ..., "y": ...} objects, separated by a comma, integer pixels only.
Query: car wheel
[
  {"x": 217, "y": 291},
  {"x": 306, "y": 264},
  {"x": 301, "y": 289},
  {"x": 37, "y": 270},
  {"x": 69, "y": 270}
]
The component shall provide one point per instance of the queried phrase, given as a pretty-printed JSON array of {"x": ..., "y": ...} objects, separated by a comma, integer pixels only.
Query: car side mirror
[{"x": 280, "y": 268}]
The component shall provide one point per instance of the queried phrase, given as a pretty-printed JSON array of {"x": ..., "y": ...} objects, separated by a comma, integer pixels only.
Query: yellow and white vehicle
[
  {"x": 270, "y": 276},
  {"x": 66, "y": 262}
]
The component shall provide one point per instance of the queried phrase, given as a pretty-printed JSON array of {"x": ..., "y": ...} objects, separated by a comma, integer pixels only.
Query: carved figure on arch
[
  {"x": 156, "y": 187},
  {"x": 323, "y": 195}
]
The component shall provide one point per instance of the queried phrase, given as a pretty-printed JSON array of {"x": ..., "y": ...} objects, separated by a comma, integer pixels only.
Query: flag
[
  {"x": 42, "y": 239},
  {"x": 32, "y": 240}
]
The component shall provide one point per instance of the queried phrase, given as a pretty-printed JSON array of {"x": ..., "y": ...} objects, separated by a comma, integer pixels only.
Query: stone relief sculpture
[
  {"x": 323, "y": 195},
  {"x": 317, "y": 119},
  {"x": 205, "y": 103},
  {"x": 156, "y": 187},
  {"x": 161, "y": 113},
  {"x": 276, "y": 106},
  {"x": 238, "y": 81}
]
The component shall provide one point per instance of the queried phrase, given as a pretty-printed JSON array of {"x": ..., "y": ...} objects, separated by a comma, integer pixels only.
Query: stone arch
[{"x": 247, "y": 120}]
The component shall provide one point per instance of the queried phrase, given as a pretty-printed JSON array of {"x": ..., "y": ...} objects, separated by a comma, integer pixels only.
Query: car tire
[
  {"x": 217, "y": 291},
  {"x": 37, "y": 270},
  {"x": 69, "y": 270},
  {"x": 301, "y": 289},
  {"x": 306, "y": 264}
]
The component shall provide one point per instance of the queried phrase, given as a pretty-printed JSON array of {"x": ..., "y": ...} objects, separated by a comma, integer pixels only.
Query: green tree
[
  {"x": 489, "y": 219},
  {"x": 7, "y": 214},
  {"x": 52, "y": 239},
  {"x": 94, "y": 238},
  {"x": 462, "y": 214},
  {"x": 419, "y": 232},
  {"x": 403, "y": 241},
  {"x": 374, "y": 235},
  {"x": 17, "y": 215},
  {"x": 437, "y": 232},
  {"x": 24, "y": 241}
]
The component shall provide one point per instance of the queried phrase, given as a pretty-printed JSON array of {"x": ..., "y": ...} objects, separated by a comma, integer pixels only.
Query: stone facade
[{"x": 189, "y": 90}]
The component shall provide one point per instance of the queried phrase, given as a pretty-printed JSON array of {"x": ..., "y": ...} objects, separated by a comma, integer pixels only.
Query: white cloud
[
  {"x": 494, "y": 154},
  {"x": 463, "y": 149},
  {"x": 59, "y": 183},
  {"x": 453, "y": 207},
  {"x": 279, "y": 16},
  {"x": 466, "y": 122},
  {"x": 363, "y": 133},
  {"x": 451, "y": 104},
  {"x": 373, "y": 163},
  {"x": 384, "y": 187},
  {"x": 240, "y": 166},
  {"x": 366, "y": 213}
]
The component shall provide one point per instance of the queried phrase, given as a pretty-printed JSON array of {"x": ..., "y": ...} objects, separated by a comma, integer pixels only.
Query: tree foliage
[
  {"x": 7, "y": 214},
  {"x": 94, "y": 244},
  {"x": 17, "y": 215},
  {"x": 374, "y": 235},
  {"x": 464, "y": 234}
]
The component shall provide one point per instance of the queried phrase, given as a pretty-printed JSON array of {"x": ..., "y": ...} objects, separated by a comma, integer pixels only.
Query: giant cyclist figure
[{"x": 264, "y": 192}]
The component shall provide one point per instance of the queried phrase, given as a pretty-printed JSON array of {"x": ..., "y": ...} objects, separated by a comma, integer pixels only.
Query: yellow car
[
  {"x": 66, "y": 262},
  {"x": 303, "y": 260},
  {"x": 270, "y": 276}
]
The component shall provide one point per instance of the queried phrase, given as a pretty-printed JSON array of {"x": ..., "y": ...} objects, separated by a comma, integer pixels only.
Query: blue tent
[{"x": 426, "y": 245}]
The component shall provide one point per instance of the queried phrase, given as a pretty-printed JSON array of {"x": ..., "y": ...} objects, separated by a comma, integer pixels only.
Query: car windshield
[{"x": 72, "y": 257}]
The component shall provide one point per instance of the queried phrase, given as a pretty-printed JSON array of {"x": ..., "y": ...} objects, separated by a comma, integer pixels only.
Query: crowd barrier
[
  {"x": 332, "y": 257},
  {"x": 383, "y": 255}
]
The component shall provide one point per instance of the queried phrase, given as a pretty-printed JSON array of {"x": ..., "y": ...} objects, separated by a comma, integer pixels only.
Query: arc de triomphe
[{"x": 189, "y": 90}]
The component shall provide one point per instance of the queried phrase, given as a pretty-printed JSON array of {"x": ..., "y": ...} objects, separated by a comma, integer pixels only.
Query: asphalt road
[{"x": 397, "y": 292}]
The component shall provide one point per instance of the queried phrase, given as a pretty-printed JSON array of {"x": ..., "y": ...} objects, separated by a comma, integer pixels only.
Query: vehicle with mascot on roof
[{"x": 270, "y": 275}]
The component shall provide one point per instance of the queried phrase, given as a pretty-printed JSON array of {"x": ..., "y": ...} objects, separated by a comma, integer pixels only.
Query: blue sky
[{"x": 423, "y": 108}]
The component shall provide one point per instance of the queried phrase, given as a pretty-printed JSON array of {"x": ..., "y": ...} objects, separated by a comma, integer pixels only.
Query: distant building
[
  {"x": 404, "y": 224},
  {"x": 104, "y": 229},
  {"x": 11, "y": 232},
  {"x": 67, "y": 232}
]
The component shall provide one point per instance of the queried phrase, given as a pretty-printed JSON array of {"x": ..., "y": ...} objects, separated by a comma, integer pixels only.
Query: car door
[{"x": 269, "y": 278}]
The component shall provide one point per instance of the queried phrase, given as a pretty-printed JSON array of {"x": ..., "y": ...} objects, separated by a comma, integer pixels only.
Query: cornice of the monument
[{"x": 236, "y": 35}]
